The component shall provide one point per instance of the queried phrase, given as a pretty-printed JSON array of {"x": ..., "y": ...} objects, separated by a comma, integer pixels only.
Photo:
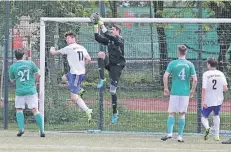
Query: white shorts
[
  {"x": 178, "y": 103},
  {"x": 31, "y": 101}
]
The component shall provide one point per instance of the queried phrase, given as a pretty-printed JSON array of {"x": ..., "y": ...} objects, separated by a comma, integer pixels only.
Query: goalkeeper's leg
[{"x": 102, "y": 61}]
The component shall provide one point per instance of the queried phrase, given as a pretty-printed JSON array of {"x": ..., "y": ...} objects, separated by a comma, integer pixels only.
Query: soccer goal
[{"x": 150, "y": 44}]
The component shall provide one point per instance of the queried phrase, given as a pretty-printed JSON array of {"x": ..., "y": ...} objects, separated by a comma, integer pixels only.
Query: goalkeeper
[{"x": 114, "y": 61}]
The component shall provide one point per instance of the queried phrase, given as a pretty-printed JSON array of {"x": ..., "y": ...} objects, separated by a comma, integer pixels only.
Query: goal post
[{"x": 43, "y": 21}]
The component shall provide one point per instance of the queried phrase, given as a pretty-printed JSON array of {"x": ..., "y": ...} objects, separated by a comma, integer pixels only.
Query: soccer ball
[{"x": 94, "y": 17}]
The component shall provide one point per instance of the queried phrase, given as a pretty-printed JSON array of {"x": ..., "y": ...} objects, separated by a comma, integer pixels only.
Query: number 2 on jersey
[
  {"x": 214, "y": 84},
  {"x": 24, "y": 75},
  {"x": 182, "y": 74}
]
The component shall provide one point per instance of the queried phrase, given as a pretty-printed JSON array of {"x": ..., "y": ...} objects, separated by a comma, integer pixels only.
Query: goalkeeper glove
[
  {"x": 100, "y": 22},
  {"x": 96, "y": 26}
]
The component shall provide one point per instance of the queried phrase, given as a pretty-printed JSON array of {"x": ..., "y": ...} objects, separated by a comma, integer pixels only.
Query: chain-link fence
[{"x": 148, "y": 50}]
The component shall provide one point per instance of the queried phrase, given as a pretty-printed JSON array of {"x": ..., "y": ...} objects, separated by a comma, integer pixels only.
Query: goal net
[{"x": 150, "y": 44}]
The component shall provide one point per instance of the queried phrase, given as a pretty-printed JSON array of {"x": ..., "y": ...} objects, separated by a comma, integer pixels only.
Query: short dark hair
[
  {"x": 182, "y": 49},
  {"x": 71, "y": 34},
  {"x": 117, "y": 27},
  {"x": 212, "y": 61},
  {"x": 19, "y": 53}
]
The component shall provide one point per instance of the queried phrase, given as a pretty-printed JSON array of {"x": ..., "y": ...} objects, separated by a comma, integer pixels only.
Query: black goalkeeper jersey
[{"x": 115, "y": 47}]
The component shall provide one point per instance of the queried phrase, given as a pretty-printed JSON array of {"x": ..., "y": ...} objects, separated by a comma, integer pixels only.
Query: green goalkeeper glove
[
  {"x": 100, "y": 22},
  {"x": 96, "y": 26}
]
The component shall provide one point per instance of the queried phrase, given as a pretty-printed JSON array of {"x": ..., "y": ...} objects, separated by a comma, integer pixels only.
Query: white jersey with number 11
[{"x": 76, "y": 58}]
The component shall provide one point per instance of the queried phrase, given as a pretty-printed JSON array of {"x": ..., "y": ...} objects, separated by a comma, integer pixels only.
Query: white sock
[
  {"x": 82, "y": 104},
  {"x": 216, "y": 123},
  {"x": 205, "y": 122}
]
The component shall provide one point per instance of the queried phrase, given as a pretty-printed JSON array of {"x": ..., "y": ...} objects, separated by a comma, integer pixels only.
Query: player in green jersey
[
  {"x": 181, "y": 70},
  {"x": 25, "y": 73}
]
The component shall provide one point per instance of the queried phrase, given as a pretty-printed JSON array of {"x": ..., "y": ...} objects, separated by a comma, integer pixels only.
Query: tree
[
  {"x": 221, "y": 9},
  {"x": 37, "y": 9}
]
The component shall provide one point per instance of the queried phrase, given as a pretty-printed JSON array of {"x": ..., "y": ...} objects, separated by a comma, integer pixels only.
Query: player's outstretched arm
[
  {"x": 99, "y": 38},
  {"x": 61, "y": 51},
  {"x": 53, "y": 51}
]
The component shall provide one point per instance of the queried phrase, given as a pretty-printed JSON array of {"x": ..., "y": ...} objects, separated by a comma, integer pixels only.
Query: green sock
[
  {"x": 20, "y": 120},
  {"x": 39, "y": 121},
  {"x": 181, "y": 125}
]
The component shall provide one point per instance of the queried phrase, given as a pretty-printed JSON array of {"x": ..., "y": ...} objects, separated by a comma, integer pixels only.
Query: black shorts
[{"x": 114, "y": 70}]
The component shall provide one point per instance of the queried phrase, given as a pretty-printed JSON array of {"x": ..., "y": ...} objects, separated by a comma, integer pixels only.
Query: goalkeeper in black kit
[{"x": 113, "y": 61}]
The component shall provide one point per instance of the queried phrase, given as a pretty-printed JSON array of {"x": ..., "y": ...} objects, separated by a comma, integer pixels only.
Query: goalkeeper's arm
[{"x": 99, "y": 38}]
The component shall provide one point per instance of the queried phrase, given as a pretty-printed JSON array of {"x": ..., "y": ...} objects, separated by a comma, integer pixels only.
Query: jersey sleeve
[
  {"x": 11, "y": 73},
  {"x": 35, "y": 69},
  {"x": 193, "y": 71},
  {"x": 204, "y": 81},
  {"x": 169, "y": 67},
  {"x": 64, "y": 50}
]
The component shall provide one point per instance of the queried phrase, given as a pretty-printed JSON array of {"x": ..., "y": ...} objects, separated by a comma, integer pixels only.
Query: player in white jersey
[
  {"x": 77, "y": 57},
  {"x": 213, "y": 85}
]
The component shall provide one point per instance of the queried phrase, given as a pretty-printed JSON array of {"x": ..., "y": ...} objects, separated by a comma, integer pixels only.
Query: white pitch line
[{"x": 73, "y": 147}]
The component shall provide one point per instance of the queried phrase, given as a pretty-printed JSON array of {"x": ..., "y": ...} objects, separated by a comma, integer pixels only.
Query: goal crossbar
[
  {"x": 113, "y": 20},
  {"x": 140, "y": 20}
]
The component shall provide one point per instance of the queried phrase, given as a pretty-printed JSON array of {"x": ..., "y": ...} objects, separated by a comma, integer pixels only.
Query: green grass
[
  {"x": 129, "y": 120},
  {"x": 136, "y": 121},
  {"x": 104, "y": 142}
]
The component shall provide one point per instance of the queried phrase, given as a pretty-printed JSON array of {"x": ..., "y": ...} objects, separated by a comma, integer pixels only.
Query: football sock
[
  {"x": 114, "y": 103},
  {"x": 82, "y": 104},
  {"x": 181, "y": 125},
  {"x": 170, "y": 124},
  {"x": 20, "y": 120},
  {"x": 39, "y": 121},
  {"x": 101, "y": 68},
  {"x": 205, "y": 122},
  {"x": 216, "y": 122}
]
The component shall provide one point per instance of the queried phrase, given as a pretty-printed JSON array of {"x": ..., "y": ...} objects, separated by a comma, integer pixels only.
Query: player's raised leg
[
  {"x": 101, "y": 66},
  {"x": 74, "y": 83}
]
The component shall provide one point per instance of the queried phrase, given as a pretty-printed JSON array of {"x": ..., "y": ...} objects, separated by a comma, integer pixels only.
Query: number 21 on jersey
[{"x": 182, "y": 74}]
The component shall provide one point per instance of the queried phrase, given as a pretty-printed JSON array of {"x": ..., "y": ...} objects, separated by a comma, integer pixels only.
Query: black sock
[
  {"x": 101, "y": 68},
  {"x": 114, "y": 103}
]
